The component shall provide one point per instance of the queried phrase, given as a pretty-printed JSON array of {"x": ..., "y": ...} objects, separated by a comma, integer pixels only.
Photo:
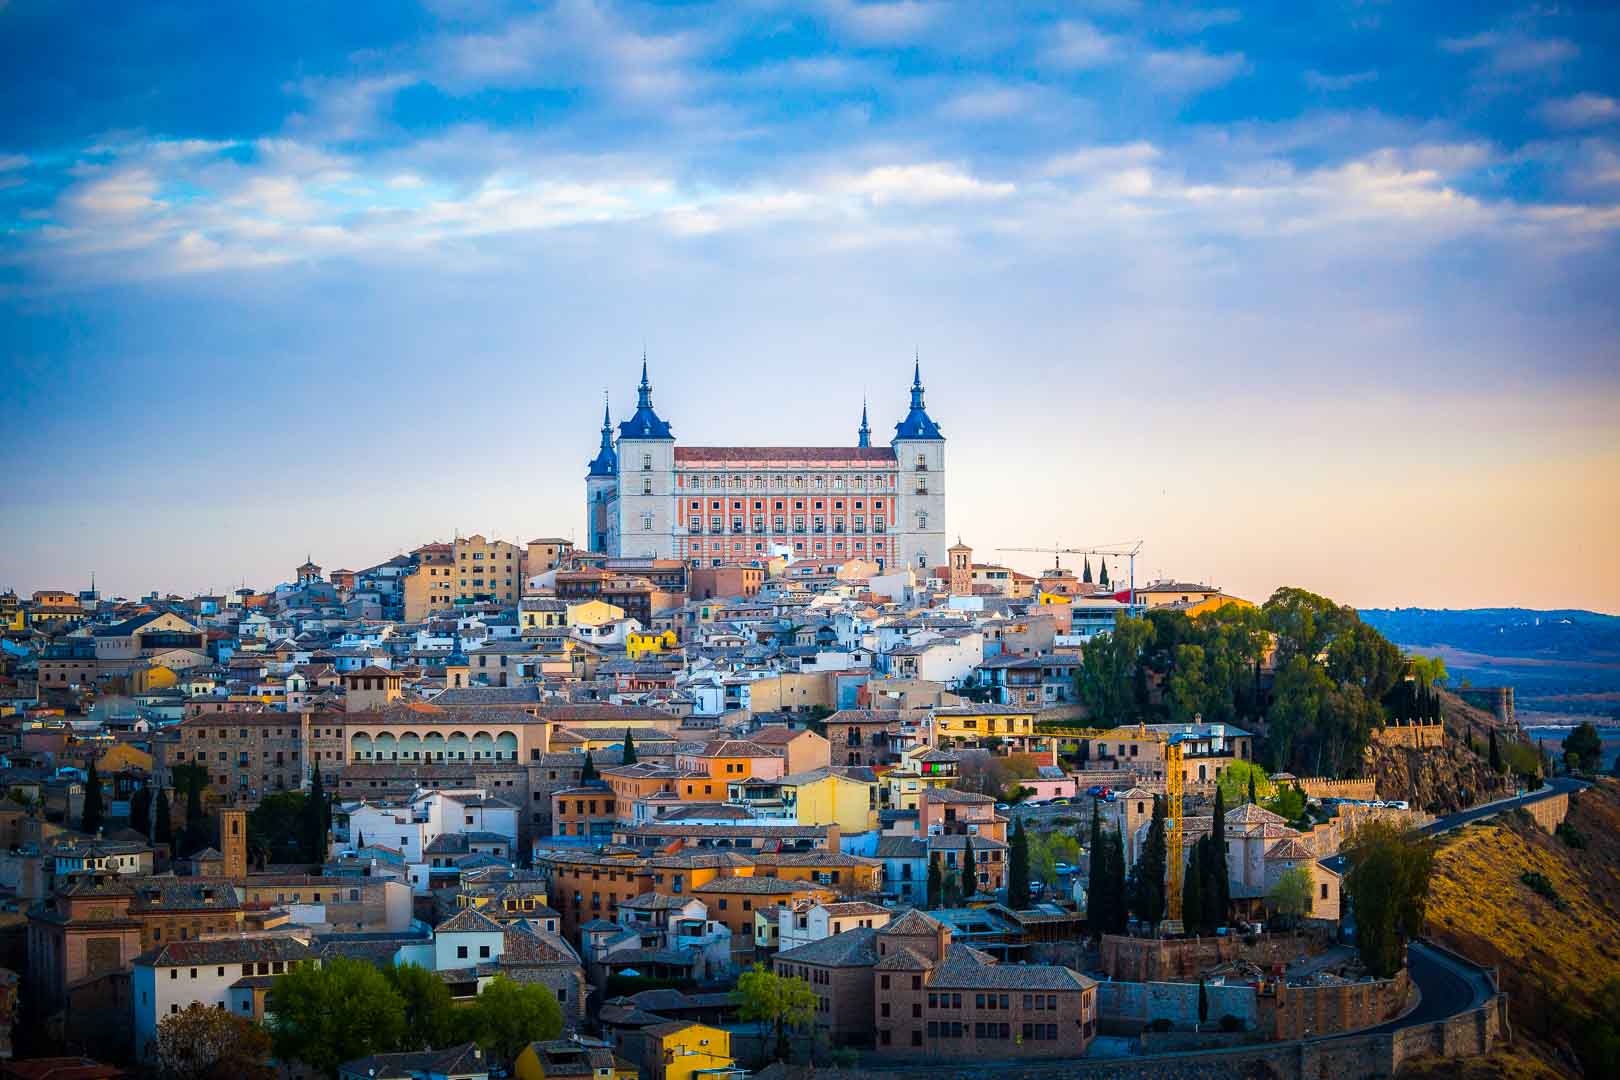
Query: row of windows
[
  {"x": 780, "y": 504},
  {"x": 874, "y": 481}
]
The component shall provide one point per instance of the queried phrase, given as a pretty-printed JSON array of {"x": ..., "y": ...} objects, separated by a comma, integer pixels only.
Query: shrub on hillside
[
  {"x": 1538, "y": 884},
  {"x": 1571, "y": 836},
  {"x": 1231, "y": 1023}
]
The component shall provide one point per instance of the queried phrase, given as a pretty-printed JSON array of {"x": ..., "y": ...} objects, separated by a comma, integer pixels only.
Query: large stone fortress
[{"x": 647, "y": 497}]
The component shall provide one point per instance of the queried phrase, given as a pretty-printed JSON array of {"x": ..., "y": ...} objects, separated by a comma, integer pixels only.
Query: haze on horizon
[{"x": 1319, "y": 295}]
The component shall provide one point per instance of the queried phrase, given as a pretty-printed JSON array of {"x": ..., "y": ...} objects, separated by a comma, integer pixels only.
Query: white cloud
[
  {"x": 1193, "y": 69},
  {"x": 915, "y": 184},
  {"x": 1581, "y": 111},
  {"x": 990, "y": 102},
  {"x": 1078, "y": 45},
  {"x": 1334, "y": 84},
  {"x": 892, "y": 21},
  {"x": 1513, "y": 52}
]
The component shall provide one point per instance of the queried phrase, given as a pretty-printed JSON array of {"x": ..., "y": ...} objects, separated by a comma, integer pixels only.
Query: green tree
[
  {"x": 201, "y": 1043},
  {"x": 1387, "y": 884},
  {"x": 198, "y": 830},
  {"x": 1148, "y": 878},
  {"x": 775, "y": 1002},
  {"x": 1096, "y": 870},
  {"x": 1243, "y": 777},
  {"x": 140, "y": 811},
  {"x": 1102, "y": 572},
  {"x": 1046, "y": 850},
  {"x": 587, "y": 771},
  {"x": 1497, "y": 765},
  {"x": 970, "y": 869},
  {"x": 1288, "y": 803},
  {"x": 1018, "y": 868},
  {"x": 1290, "y": 894},
  {"x": 1118, "y": 898},
  {"x": 429, "y": 1023},
  {"x": 507, "y": 1016},
  {"x": 324, "y": 1016},
  {"x": 279, "y": 828},
  {"x": 1192, "y": 892},
  {"x": 936, "y": 882},
  {"x": 629, "y": 748},
  {"x": 1217, "y": 885},
  {"x": 162, "y": 826},
  {"x": 1583, "y": 747},
  {"x": 1203, "y": 1002},
  {"x": 1429, "y": 671},
  {"x": 1110, "y": 665},
  {"x": 312, "y": 822},
  {"x": 94, "y": 813}
]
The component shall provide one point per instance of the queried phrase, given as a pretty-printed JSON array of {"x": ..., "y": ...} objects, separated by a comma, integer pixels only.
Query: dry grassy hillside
[{"x": 1553, "y": 952}]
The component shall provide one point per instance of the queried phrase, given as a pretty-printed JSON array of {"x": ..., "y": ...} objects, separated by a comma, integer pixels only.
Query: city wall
[
  {"x": 1145, "y": 960},
  {"x": 1470, "y": 1034},
  {"x": 1298, "y": 1012},
  {"x": 1411, "y": 736},
  {"x": 1133, "y": 1005},
  {"x": 1550, "y": 812},
  {"x": 1319, "y": 787}
]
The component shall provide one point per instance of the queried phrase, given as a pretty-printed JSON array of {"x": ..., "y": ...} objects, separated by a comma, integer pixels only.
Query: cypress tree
[
  {"x": 936, "y": 882},
  {"x": 1086, "y": 577},
  {"x": 1203, "y": 1002},
  {"x": 1096, "y": 874},
  {"x": 1148, "y": 878},
  {"x": 629, "y": 748},
  {"x": 587, "y": 771},
  {"x": 1018, "y": 869},
  {"x": 1496, "y": 754},
  {"x": 195, "y": 835},
  {"x": 1216, "y": 881},
  {"x": 1102, "y": 575},
  {"x": 1118, "y": 912},
  {"x": 90, "y": 819},
  {"x": 140, "y": 811},
  {"x": 1213, "y": 886},
  {"x": 1252, "y": 799},
  {"x": 970, "y": 869},
  {"x": 314, "y": 821},
  {"x": 359, "y": 839},
  {"x": 162, "y": 826},
  {"x": 1192, "y": 892}
]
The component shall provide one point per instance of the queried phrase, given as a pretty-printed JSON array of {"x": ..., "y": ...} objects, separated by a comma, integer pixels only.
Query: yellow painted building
[
  {"x": 791, "y": 690},
  {"x": 833, "y": 797},
  {"x": 156, "y": 677},
  {"x": 489, "y": 569},
  {"x": 572, "y": 1059},
  {"x": 1049, "y": 598},
  {"x": 922, "y": 769},
  {"x": 642, "y": 643},
  {"x": 691, "y": 1051},
  {"x": 593, "y": 613},
  {"x": 1215, "y": 603},
  {"x": 122, "y": 756},
  {"x": 974, "y": 722}
]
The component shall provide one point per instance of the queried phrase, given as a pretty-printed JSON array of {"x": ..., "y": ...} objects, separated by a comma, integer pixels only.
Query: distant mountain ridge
[{"x": 1562, "y": 634}]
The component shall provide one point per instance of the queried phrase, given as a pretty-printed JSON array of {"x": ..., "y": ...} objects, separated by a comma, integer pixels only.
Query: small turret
[
  {"x": 645, "y": 424},
  {"x": 864, "y": 440},
  {"x": 606, "y": 461},
  {"x": 917, "y": 424}
]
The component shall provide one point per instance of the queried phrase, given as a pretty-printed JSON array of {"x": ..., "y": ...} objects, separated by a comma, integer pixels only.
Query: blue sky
[{"x": 1296, "y": 293}]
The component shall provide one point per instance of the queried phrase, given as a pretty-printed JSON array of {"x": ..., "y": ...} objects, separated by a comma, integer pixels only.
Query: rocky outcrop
[{"x": 1446, "y": 778}]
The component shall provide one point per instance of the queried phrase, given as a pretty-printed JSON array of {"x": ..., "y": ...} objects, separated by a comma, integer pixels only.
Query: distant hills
[{"x": 1563, "y": 665}]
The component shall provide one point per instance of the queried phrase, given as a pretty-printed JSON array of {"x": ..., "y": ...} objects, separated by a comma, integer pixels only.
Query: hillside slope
[
  {"x": 1442, "y": 780},
  {"x": 1554, "y": 955}
]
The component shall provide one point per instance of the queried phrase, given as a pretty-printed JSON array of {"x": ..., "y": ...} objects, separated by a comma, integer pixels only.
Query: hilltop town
[{"x": 766, "y": 778}]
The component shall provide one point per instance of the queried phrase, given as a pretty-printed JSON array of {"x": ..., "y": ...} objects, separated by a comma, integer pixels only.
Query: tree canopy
[
  {"x": 202, "y": 1043},
  {"x": 344, "y": 1009},
  {"x": 507, "y": 1016},
  {"x": 777, "y": 1003},
  {"x": 1387, "y": 885},
  {"x": 1583, "y": 748}
]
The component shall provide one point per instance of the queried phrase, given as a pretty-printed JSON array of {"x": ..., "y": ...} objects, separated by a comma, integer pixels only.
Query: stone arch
[
  {"x": 433, "y": 746},
  {"x": 506, "y": 746},
  {"x": 456, "y": 746},
  {"x": 483, "y": 746},
  {"x": 360, "y": 747}
]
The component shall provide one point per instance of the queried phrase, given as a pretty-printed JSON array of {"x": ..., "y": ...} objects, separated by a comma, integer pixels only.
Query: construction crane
[{"x": 1126, "y": 550}]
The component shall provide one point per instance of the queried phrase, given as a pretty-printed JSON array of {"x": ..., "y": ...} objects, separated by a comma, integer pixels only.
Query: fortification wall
[
  {"x": 1412, "y": 736},
  {"x": 1145, "y": 960},
  {"x": 1320, "y": 787},
  {"x": 1138, "y": 1004},
  {"x": 1298, "y": 1012},
  {"x": 1470, "y": 1034},
  {"x": 1496, "y": 700},
  {"x": 1550, "y": 812}
]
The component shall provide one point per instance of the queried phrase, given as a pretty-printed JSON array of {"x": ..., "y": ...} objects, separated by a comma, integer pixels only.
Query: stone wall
[
  {"x": 1471, "y": 1034},
  {"x": 1550, "y": 812},
  {"x": 1496, "y": 700},
  {"x": 1320, "y": 787},
  {"x": 1298, "y": 1012},
  {"x": 1412, "y": 736},
  {"x": 1131, "y": 1006},
  {"x": 1131, "y": 959}
]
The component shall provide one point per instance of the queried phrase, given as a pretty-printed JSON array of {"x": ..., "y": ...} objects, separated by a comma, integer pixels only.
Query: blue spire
[
  {"x": 917, "y": 424},
  {"x": 645, "y": 424},
  {"x": 606, "y": 461},
  {"x": 866, "y": 428}
]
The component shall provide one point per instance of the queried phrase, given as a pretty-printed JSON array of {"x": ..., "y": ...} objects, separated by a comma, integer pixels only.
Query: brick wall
[
  {"x": 1130, "y": 1005},
  {"x": 1156, "y": 960},
  {"x": 1297, "y": 1012},
  {"x": 1550, "y": 812}
]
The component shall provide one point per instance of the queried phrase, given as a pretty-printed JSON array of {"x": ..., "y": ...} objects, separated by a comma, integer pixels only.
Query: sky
[{"x": 1316, "y": 294}]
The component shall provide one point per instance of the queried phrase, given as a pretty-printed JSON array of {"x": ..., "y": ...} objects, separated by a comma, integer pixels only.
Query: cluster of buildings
[{"x": 743, "y": 724}]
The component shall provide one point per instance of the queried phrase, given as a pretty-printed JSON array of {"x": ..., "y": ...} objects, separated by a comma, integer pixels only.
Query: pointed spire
[
  {"x": 607, "y": 416},
  {"x": 644, "y": 399},
  {"x": 865, "y": 429},
  {"x": 916, "y": 381},
  {"x": 917, "y": 424}
]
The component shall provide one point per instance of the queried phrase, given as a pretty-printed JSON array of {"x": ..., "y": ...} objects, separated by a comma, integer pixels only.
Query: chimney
[{"x": 834, "y": 837}]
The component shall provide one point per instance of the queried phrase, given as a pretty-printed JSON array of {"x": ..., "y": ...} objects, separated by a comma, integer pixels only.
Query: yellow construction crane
[{"x": 1173, "y": 815}]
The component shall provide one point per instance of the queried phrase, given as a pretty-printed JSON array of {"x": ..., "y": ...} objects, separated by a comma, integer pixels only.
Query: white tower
[
  {"x": 646, "y": 481},
  {"x": 919, "y": 451}
]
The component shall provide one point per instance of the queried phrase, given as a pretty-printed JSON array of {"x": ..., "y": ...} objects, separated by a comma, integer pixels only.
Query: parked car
[
  {"x": 1002, "y": 806},
  {"x": 1058, "y": 802},
  {"x": 1063, "y": 868},
  {"x": 1398, "y": 804},
  {"x": 1109, "y": 796},
  {"x": 1095, "y": 790}
]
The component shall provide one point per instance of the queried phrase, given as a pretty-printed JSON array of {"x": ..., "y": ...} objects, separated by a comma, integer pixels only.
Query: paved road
[
  {"x": 1448, "y": 987},
  {"x": 1556, "y": 786}
]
